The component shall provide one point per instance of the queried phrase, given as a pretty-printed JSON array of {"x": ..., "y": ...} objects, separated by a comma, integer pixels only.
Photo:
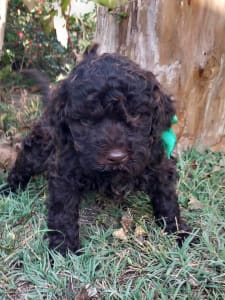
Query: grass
[
  {"x": 18, "y": 110},
  {"x": 149, "y": 266}
]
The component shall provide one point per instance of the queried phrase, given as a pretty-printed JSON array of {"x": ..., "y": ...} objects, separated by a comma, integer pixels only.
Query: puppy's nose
[{"x": 116, "y": 156}]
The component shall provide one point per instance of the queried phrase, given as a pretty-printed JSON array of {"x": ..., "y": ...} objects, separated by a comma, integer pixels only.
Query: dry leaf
[
  {"x": 139, "y": 234},
  {"x": 194, "y": 203},
  {"x": 192, "y": 281},
  {"x": 216, "y": 169},
  {"x": 87, "y": 292},
  {"x": 92, "y": 291},
  {"x": 120, "y": 234},
  {"x": 12, "y": 236},
  {"x": 9, "y": 150},
  {"x": 139, "y": 231},
  {"x": 126, "y": 221},
  {"x": 222, "y": 162},
  {"x": 8, "y": 156},
  {"x": 82, "y": 295}
]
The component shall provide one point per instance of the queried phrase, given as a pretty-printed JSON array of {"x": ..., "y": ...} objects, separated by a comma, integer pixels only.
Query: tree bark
[
  {"x": 182, "y": 43},
  {"x": 3, "y": 12}
]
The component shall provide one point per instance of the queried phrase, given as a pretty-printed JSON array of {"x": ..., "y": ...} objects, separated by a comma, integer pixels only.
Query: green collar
[{"x": 169, "y": 138}]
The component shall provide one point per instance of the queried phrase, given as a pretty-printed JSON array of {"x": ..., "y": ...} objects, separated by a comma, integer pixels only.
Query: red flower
[{"x": 20, "y": 34}]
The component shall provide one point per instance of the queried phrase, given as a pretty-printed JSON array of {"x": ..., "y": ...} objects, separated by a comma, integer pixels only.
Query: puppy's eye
[
  {"x": 85, "y": 122},
  {"x": 137, "y": 117},
  {"x": 134, "y": 120}
]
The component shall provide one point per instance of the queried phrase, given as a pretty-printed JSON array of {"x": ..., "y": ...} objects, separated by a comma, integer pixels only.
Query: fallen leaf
[
  {"x": 8, "y": 156},
  {"x": 192, "y": 281},
  {"x": 82, "y": 295},
  {"x": 11, "y": 236},
  {"x": 92, "y": 291},
  {"x": 222, "y": 162},
  {"x": 139, "y": 234},
  {"x": 216, "y": 169},
  {"x": 139, "y": 231},
  {"x": 86, "y": 293},
  {"x": 120, "y": 234},
  {"x": 194, "y": 203},
  {"x": 126, "y": 221}
]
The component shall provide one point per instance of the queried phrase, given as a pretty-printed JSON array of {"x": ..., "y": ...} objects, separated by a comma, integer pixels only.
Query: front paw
[
  {"x": 183, "y": 232},
  {"x": 63, "y": 245}
]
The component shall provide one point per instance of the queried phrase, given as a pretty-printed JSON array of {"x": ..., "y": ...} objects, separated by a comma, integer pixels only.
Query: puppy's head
[{"x": 115, "y": 113}]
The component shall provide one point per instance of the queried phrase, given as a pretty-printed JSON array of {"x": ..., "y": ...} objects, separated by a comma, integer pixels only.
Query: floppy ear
[
  {"x": 162, "y": 106},
  {"x": 164, "y": 111}
]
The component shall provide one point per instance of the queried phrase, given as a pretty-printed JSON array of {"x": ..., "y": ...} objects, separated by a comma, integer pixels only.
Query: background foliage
[{"x": 31, "y": 42}]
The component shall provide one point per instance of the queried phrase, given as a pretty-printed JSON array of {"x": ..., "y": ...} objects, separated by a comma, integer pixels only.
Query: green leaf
[
  {"x": 48, "y": 23},
  {"x": 111, "y": 3},
  {"x": 64, "y": 5}
]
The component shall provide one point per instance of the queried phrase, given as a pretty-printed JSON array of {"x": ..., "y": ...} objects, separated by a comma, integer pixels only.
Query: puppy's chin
[
  {"x": 111, "y": 168},
  {"x": 131, "y": 169}
]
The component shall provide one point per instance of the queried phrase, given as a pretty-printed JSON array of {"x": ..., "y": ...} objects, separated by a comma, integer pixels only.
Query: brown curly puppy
[{"x": 101, "y": 131}]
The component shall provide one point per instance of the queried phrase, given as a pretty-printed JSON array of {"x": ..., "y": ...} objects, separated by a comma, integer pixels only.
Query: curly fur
[{"x": 107, "y": 102}]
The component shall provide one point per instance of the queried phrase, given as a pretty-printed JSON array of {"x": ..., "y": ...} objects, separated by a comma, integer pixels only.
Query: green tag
[{"x": 169, "y": 138}]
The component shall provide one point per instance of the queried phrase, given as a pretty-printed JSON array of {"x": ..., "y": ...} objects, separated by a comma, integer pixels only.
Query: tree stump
[{"x": 183, "y": 44}]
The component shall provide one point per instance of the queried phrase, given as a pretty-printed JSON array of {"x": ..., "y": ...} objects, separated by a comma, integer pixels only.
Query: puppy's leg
[
  {"x": 63, "y": 206},
  {"x": 31, "y": 159},
  {"x": 162, "y": 190}
]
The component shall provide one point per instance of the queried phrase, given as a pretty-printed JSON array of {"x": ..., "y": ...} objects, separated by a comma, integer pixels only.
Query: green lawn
[{"x": 144, "y": 266}]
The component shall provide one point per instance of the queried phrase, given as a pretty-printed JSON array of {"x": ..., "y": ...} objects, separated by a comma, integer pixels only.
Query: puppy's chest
[{"x": 115, "y": 186}]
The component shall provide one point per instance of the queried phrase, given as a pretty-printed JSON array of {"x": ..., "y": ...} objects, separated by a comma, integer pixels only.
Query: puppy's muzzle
[{"x": 116, "y": 156}]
